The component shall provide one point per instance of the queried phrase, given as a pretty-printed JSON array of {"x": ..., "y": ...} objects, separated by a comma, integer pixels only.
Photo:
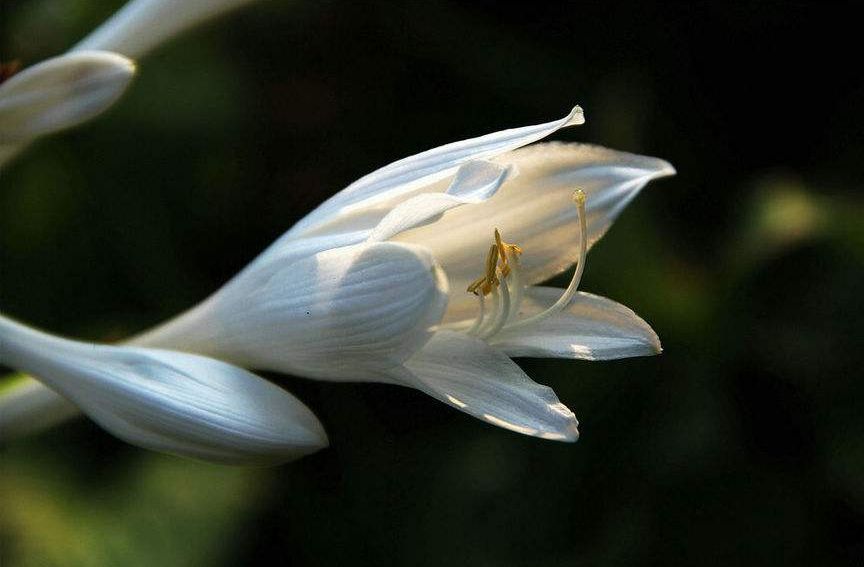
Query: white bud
[
  {"x": 60, "y": 93},
  {"x": 168, "y": 401}
]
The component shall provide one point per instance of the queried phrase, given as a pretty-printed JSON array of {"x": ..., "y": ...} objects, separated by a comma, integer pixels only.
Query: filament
[{"x": 570, "y": 292}]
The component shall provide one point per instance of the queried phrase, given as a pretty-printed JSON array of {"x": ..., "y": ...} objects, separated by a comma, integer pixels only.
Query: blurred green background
[{"x": 743, "y": 443}]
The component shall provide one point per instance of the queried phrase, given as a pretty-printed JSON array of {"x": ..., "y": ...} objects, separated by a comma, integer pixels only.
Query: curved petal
[
  {"x": 343, "y": 314},
  {"x": 469, "y": 375},
  {"x": 591, "y": 328},
  {"x": 534, "y": 210},
  {"x": 61, "y": 92},
  {"x": 169, "y": 401},
  {"x": 407, "y": 175},
  {"x": 474, "y": 183}
]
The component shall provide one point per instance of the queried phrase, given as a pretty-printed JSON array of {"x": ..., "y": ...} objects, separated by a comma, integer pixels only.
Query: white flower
[
  {"x": 168, "y": 401},
  {"x": 60, "y": 93},
  {"x": 445, "y": 204},
  {"x": 467, "y": 362}
]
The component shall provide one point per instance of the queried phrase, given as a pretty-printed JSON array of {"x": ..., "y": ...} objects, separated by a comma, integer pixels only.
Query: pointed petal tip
[
  {"x": 576, "y": 117},
  {"x": 572, "y": 434},
  {"x": 569, "y": 435},
  {"x": 654, "y": 167},
  {"x": 568, "y": 432},
  {"x": 314, "y": 437},
  {"x": 118, "y": 61},
  {"x": 665, "y": 169},
  {"x": 316, "y": 441},
  {"x": 651, "y": 339}
]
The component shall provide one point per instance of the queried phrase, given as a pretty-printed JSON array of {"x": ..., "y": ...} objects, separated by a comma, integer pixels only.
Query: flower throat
[{"x": 502, "y": 282}]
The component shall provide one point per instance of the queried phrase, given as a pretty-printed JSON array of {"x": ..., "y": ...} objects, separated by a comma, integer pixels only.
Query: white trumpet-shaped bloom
[
  {"x": 467, "y": 362},
  {"x": 169, "y": 401},
  {"x": 452, "y": 207},
  {"x": 60, "y": 93}
]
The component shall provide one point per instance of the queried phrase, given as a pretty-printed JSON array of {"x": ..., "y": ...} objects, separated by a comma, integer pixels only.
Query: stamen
[
  {"x": 491, "y": 270},
  {"x": 579, "y": 199},
  {"x": 501, "y": 264},
  {"x": 479, "y": 320},
  {"x": 517, "y": 288},
  {"x": 502, "y": 312},
  {"x": 492, "y": 316},
  {"x": 503, "y": 249},
  {"x": 487, "y": 282},
  {"x": 475, "y": 285}
]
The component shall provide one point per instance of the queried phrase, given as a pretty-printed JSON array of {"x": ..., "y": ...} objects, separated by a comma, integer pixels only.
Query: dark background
[{"x": 743, "y": 443}]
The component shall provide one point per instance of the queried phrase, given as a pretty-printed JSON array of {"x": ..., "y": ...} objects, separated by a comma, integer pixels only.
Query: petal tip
[
  {"x": 576, "y": 117},
  {"x": 568, "y": 435},
  {"x": 566, "y": 432},
  {"x": 666, "y": 169},
  {"x": 651, "y": 340},
  {"x": 118, "y": 65},
  {"x": 646, "y": 345},
  {"x": 571, "y": 434}
]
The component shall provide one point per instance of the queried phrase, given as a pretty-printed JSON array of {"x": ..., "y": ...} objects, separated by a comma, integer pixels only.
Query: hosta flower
[
  {"x": 491, "y": 219},
  {"x": 169, "y": 401},
  {"x": 60, "y": 93},
  {"x": 496, "y": 310}
]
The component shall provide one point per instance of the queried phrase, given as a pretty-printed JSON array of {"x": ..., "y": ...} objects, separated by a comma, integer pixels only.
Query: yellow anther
[
  {"x": 491, "y": 270},
  {"x": 503, "y": 249},
  {"x": 475, "y": 285},
  {"x": 489, "y": 280},
  {"x": 497, "y": 262}
]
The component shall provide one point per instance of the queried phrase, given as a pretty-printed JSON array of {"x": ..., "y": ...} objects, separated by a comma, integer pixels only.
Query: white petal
[
  {"x": 342, "y": 314},
  {"x": 474, "y": 183},
  {"x": 591, "y": 328},
  {"x": 168, "y": 401},
  {"x": 60, "y": 93},
  {"x": 401, "y": 178},
  {"x": 467, "y": 374},
  {"x": 142, "y": 25},
  {"x": 534, "y": 210}
]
